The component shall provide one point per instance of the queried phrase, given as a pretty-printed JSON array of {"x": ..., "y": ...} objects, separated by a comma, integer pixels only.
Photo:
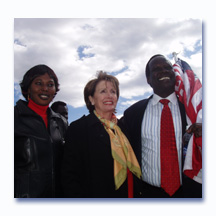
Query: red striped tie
[{"x": 170, "y": 177}]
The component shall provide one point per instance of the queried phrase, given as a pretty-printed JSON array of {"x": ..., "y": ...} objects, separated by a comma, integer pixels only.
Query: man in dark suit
[{"x": 142, "y": 125}]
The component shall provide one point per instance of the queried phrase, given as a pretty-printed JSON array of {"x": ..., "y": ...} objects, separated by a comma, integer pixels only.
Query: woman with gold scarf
[{"x": 99, "y": 161}]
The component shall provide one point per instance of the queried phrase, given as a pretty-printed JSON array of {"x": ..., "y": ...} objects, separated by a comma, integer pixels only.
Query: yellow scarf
[{"x": 122, "y": 152}]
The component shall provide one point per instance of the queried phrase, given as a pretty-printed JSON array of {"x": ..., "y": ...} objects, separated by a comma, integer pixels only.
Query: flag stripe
[{"x": 189, "y": 89}]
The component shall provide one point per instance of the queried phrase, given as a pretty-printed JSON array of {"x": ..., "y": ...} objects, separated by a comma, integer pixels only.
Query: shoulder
[
  {"x": 22, "y": 111},
  {"x": 76, "y": 131},
  {"x": 55, "y": 115},
  {"x": 79, "y": 121},
  {"x": 58, "y": 119},
  {"x": 21, "y": 107},
  {"x": 87, "y": 120},
  {"x": 78, "y": 124},
  {"x": 138, "y": 106}
]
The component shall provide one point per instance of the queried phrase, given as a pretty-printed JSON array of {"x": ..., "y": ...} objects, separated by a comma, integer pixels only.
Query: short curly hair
[
  {"x": 147, "y": 70},
  {"x": 90, "y": 87},
  {"x": 34, "y": 72}
]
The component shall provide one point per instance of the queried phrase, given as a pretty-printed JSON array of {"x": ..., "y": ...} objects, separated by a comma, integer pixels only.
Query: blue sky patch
[
  {"x": 81, "y": 53},
  {"x": 18, "y": 42}
]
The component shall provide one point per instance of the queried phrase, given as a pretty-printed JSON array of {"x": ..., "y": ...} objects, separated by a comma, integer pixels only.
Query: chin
[{"x": 109, "y": 110}]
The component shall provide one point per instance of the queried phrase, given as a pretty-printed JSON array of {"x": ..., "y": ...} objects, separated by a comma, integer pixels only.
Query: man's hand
[{"x": 195, "y": 128}]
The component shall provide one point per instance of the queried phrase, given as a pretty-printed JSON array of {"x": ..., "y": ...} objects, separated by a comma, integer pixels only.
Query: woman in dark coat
[
  {"x": 38, "y": 137},
  {"x": 97, "y": 155}
]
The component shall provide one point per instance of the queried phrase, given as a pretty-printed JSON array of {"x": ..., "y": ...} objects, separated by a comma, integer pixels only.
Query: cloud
[{"x": 77, "y": 48}]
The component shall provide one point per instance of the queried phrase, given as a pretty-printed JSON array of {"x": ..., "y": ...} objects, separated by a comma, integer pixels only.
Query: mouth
[
  {"x": 44, "y": 96},
  {"x": 108, "y": 103},
  {"x": 164, "y": 78}
]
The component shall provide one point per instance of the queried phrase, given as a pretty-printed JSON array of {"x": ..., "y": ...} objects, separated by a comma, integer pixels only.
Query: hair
[
  {"x": 147, "y": 70},
  {"x": 90, "y": 87},
  {"x": 55, "y": 105},
  {"x": 33, "y": 73}
]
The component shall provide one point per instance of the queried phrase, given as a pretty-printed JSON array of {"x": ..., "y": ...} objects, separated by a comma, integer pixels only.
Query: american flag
[{"x": 189, "y": 89}]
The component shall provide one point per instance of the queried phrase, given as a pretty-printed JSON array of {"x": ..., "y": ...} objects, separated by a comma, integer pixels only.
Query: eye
[
  {"x": 103, "y": 91},
  {"x": 156, "y": 69},
  {"x": 38, "y": 83},
  {"x": 169, "y": 67},
  {"x": 50, "y": 85},
  {"x": 113, "y": 91}
]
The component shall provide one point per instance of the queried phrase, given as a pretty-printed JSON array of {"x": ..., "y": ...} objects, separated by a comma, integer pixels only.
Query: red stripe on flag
[{"x": 188, "y": 88}]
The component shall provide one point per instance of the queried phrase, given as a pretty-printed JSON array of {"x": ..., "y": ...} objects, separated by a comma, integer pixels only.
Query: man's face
[
  {"x": 162, "y": 76},
  {"x": 63, "y": 110}
]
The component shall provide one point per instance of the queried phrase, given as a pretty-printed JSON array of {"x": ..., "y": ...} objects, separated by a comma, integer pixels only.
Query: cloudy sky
[{"x": 77, "y": 48}]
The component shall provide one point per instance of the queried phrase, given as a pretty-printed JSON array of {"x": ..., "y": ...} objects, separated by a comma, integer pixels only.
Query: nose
[
  {"x": 44, "y": 87},
  {"x": 165, "y": 70},
  {"x": 109, "y": 94}
]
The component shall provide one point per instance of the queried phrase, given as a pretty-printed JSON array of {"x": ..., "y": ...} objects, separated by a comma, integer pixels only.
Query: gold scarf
[{"x": 122, "y": 152}]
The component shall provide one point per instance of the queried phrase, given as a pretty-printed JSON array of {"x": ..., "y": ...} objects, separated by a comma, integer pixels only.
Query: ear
[
  {"x": 149, "y": 81},
  {"x": 29, "y": 93},
  {"x": 91, "y": 100}
]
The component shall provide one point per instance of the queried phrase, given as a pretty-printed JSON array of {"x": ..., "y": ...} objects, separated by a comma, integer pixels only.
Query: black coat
[
  {"x": 37, "y": 152},
  {"x": 88, "y": 163}
]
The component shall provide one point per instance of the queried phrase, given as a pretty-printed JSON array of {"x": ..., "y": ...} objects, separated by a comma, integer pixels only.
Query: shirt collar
[{"x": 172, "y": 98}]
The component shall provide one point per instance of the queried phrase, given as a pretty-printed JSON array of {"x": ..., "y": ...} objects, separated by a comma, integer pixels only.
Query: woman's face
[
  {"x": 105, "y": 98},
  {"x": 42, "y": 90}
]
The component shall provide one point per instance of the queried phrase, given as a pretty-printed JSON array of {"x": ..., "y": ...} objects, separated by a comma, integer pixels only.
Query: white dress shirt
[{"x": 150, "y": 135}]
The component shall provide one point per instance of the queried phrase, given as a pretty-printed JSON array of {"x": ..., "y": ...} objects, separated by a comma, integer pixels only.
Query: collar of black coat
[
  {"x": 91, "y": 119},
  {"x": 23, "y": 109}
]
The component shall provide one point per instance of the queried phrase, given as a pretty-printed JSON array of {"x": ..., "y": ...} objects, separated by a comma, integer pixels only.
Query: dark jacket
[
  {"x": 88, "y": 163},
  {"x": 37, "y": 152}
]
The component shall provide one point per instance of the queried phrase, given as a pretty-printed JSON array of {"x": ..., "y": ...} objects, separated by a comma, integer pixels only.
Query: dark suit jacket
[{"x": 88, "y": 163}]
